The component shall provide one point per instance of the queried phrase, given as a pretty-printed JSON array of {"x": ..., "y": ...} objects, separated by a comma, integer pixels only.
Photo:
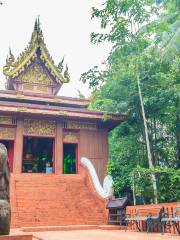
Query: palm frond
[{"x": 170, "y": 44}]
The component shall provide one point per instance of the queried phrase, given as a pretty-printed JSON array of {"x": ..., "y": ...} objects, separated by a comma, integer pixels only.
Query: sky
[{"x": 66, "y": 25}]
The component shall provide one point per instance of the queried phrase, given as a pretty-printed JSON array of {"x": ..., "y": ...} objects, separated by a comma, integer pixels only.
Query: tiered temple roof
[
  {"x": 33, "y": 81},
  {"x": 36, "y": 53}
]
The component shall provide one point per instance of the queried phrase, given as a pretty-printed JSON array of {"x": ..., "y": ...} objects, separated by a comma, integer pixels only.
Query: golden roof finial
[
  {"x": 38, "y": 22},
  {"x": 37, "y": 34},
  {"x": 35, "y": 25}
]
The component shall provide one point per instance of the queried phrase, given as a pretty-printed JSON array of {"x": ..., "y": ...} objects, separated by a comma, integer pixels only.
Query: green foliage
[
  {"x": 145, "y": 40},
  {"x": 122, "y": 18},
  {"x": 168, "y": 180},
  {"x": 69, "y": 163}
]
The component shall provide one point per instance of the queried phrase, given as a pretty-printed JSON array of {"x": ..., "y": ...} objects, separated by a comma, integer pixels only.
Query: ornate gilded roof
[{"x": 36, "y": 45}]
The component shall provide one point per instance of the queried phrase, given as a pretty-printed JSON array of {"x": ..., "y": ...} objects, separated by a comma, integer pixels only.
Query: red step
[
  {"x": 55, "y": 200},
  {"x": 72, "y": 228}
]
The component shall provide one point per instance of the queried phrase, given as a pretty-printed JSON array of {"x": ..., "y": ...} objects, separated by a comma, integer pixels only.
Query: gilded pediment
[
  {"x": 26, "y": 69},
  {"x": 35, "y": 74}
]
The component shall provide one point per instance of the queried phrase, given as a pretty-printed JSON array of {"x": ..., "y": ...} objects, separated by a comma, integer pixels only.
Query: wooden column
[
  {"x": 18, "y": 147},
  {"x": 59, "y": 149}
]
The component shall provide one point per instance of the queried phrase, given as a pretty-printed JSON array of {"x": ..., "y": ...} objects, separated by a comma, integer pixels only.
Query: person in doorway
[{"x": 48, "y": 167}]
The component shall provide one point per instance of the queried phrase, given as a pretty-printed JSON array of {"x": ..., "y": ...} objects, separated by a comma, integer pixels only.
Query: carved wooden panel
[
  {"x": 28, "y": 87},
  {"x": 39, "y": 127},
  {"x": 70, "y": 137},
  {"x": 41, "y": 88},
  {"x": 7, "y": 133},
  {"x": 35, "y": 88},
  {"x": 7, "y": 120},
  {"x": 79, "y": 125},
  {"x": 35, "y": 74}
]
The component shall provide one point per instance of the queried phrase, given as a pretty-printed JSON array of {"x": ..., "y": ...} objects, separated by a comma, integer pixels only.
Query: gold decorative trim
[
  {"x": 80, "y": 125},
  {"x": 28, "y": 87},
  {"x": 39, "y": 127},
  {"x": 58, "y": 99},
  {"x": 65, "y": 113},
  {"x": 7, "y": 132},
  {"x": 35, "y": 74},
  {"x": 6, "y": 120},
  {"x": 41, "y": 88},
  {"x": 22, "y": 109},
  {"x": 70, "y": 138},
  {"x": 19, "y": 96}
]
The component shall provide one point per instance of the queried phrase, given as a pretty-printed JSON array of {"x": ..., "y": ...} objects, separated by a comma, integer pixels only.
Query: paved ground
[{"x": 102, "y": 235}]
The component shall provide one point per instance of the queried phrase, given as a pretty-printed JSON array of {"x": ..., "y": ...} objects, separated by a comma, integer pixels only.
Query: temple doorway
[
  {"x": 10, "y": 149},
  {"x": 38, "y": 155},
  {"x": 69, "y": 158}
]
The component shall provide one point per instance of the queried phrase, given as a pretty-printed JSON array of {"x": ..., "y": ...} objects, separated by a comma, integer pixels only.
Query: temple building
[{"x": 46, "y": 135}]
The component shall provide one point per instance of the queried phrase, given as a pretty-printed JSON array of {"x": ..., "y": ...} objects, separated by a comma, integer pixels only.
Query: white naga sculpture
[{"x": 107, "y": 190}]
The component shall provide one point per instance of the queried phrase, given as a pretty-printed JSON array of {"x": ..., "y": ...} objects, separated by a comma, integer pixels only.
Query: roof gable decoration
[{"x": 36, "y": 46}]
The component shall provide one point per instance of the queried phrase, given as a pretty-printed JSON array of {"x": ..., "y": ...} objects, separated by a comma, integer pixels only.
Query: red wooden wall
[{"x": 94, "y": 145}]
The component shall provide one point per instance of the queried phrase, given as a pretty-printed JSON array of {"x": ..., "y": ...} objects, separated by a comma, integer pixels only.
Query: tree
[{"x": 136, "y": 39}]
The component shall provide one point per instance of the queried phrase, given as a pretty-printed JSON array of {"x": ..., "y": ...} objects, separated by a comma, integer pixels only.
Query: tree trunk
[
  {"x": 155, "y": 142},
  {"x": 150, "y": 160},
  {"x": 134, "y": 191},
  {"x": 178, "y": 140}
]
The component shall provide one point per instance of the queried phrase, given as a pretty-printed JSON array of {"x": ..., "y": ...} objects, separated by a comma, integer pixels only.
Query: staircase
[{"x": 55, "y": 200}]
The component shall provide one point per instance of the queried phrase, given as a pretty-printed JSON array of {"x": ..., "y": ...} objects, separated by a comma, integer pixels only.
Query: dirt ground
[{"x": 100, "y": 235}]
